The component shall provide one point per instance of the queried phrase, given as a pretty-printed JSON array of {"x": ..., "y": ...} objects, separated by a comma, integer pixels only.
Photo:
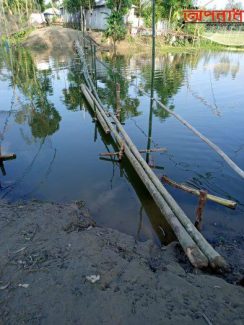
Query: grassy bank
[
  {"x": 131, "y": 45},
  {"x": 18, "y": 37},
  {"x": 230, "y": 38},
  {"x": 143, "y": 44}
]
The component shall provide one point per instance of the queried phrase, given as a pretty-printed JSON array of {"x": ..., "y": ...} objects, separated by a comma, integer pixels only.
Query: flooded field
[{"x": 46, "y": 122}]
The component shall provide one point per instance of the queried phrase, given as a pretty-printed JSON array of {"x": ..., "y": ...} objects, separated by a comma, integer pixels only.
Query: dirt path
[{"x": 48, "y": 251}]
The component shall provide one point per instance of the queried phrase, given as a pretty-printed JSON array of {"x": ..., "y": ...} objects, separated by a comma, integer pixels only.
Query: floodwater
[{"x": 46, "y": 122}]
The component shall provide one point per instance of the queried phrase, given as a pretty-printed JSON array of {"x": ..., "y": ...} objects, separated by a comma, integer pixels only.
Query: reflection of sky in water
[{"x": 206, "y": 89}]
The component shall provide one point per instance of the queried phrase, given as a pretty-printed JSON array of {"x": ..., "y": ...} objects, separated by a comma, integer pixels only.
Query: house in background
[{"x": 96, "y": 19}]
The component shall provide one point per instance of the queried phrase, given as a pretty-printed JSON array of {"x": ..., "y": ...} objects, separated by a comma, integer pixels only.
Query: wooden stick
[
  {"x": 110, "y": 160},
  {"x": 200, "y": 208},
  {"x": 2, "y": 168},
  {"x": 106, "y": 154},
  {"x": 8, "y": 156},
  {"x": 153, "y": 150},
  {"x": 216, "y": 199}
]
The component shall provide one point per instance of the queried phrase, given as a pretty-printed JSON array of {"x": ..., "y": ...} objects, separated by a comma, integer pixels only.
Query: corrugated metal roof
[
  {"x": 100, "y": 2},
  {"x": 103, "y": 3}
]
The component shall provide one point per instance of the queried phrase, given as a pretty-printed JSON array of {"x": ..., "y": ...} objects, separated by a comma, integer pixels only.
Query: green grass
[
  {"x": 18, "y": 37},
  {"x": 228, "y": 38}
]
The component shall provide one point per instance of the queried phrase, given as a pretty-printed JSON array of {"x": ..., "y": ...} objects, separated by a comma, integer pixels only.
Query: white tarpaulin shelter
[
  {"x": 52, "y": 11},
  {"x": 37, "y": 19}
]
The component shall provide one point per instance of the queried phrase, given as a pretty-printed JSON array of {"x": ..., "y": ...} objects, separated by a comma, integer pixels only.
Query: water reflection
[
  {"x": 109, "y": 79},
  {"x": 224, "y": 67},
  {"x": 40, "y": 114},
  {"x": 58, "y": 146},
  {"x": 170, "y": 72},
  {"x": 147, "y": 205},
  {"x": 72, "y": 97}
]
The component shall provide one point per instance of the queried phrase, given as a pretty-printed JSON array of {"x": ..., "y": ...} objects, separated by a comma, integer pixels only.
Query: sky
[{"x": 219, "y": 4}]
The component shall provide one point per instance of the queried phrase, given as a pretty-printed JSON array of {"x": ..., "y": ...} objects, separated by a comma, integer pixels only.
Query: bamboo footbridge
[{"x": 199, "y": 252}]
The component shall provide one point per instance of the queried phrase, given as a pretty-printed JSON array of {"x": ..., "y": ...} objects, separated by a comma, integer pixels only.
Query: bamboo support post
[
  {"x": 121, "y": 152},
  {"x": 200, "y": 208},
  {"x": 227, "y": 203},
  {"x": 118, "y": 107}
]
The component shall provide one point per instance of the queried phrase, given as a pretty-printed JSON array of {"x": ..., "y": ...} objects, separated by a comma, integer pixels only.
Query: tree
[
  {"x": 116, "y": 29},
  {"x": 74, "y": 5},
  {"x": 232, "y": 4},
  {"x": 146, "y": 10},
  {"x": 173, "y": 8},
  {"x": 21, "y": 7}
]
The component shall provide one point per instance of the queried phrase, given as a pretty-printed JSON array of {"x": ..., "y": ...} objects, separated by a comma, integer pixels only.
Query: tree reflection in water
[{"x": 36, "y": 86}]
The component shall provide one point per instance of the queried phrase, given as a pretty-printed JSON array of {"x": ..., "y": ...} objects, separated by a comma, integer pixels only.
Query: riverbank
[
  {"x": 50, "y": 251},
  {"x": 142, "y": 44},
  {"x": 56, "y": 38}
]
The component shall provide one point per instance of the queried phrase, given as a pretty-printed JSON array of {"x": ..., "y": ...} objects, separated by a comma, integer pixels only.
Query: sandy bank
[
  {"x": 52, "y": 38},
  {"x": 56, "y": 38},
  {"x": 48, "y": 250}
]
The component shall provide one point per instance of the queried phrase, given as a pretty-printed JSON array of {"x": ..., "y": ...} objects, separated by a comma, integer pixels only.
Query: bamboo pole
[
  {"x": 118, "y": 107},
  {"x": 227, "y": 203},
  {"x": 196, "y": 257},
  {"x": 200, "y": 209},
  {"x": 108, "y": 154},
  {"x": 212, "y": 145},
  {"x": 96, "y": 112},
  {"x": 215, "y": 260}
]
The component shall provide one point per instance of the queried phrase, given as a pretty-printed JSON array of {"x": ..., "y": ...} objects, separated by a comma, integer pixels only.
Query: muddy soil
[{"x": 50, "y": 251}]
